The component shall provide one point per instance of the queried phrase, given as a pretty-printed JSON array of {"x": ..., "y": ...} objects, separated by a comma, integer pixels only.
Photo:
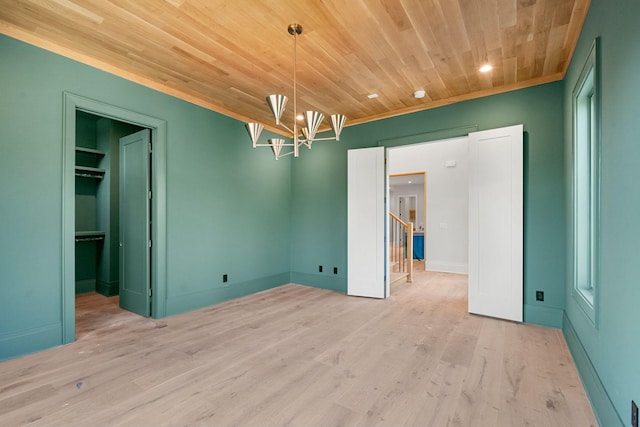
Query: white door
[
  {"x": 365, "y": 222},
  {"x": 135, "y": 240},
  {"x": 496, "y": 223}
]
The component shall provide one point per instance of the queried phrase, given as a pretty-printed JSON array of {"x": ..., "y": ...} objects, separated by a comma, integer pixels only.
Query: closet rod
[
  {"x": 88, "y": 175},
  {"x": 88, "y": 239}
]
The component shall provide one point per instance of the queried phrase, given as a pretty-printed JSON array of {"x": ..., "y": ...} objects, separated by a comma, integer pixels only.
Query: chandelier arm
[
  {"x": 269, "y": 145},
  {"x": 328, "y": 138},
  {"x": 286, "y": 127}
]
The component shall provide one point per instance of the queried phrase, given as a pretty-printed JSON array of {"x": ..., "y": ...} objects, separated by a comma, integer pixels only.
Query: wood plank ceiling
[{"x": 228, "y": 55}]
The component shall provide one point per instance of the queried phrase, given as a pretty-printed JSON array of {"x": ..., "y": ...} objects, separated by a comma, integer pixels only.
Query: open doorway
[
  {"x": 101, "y": 221},
  {"x": 407, "y": 208},
  {"x": 442, "y": 201},
  {"x": 407, "y": 200},
  {"x": 114, "y": 216},
  {"x": 491, "y": 205}
]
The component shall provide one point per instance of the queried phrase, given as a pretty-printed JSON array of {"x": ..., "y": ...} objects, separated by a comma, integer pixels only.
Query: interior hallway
[{"x": 301, "y": 356}]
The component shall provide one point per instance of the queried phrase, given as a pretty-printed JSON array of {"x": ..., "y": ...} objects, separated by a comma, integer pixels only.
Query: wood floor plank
[
  {"x": 480, "y": 396},
  {"x": 300, "y": 356}
]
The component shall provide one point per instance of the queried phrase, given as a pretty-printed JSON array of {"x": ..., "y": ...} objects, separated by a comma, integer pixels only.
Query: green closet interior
[{"x": 96, "y": 200}]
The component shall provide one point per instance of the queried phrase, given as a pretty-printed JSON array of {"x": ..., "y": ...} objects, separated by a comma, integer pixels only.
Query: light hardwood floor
[{"x": 299, "y": 356}]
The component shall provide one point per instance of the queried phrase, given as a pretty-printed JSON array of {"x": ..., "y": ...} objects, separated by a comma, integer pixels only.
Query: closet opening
[
  {"x": 103, "y": 180},
  {"x": 114, "y": 214}
]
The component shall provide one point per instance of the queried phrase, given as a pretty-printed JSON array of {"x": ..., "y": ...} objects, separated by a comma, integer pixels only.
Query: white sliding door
[
  {"x": 496, "y": 223},
  {"x": 365, "y": 223}
]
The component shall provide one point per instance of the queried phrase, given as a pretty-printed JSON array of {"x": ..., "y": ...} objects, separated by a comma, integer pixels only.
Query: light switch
[
  {"x": 450, "y": 163},
  {"x": 444, "y": 225}
]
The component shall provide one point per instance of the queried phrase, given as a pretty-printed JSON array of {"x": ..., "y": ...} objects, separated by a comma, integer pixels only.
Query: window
[{"x": 586, "y": 186}]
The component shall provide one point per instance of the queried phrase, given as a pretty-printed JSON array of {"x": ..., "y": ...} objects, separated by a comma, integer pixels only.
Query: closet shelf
[
  {"x": 89, "y": 236},
  {"x": 90, "y": 151},
  {"x": 89, "y": 172}
]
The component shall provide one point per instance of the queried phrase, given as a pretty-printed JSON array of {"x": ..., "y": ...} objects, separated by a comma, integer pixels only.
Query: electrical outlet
[
  {"x": 225, "y": 278},
  {"x": 539, "y": 296},
  {"x": 634, "y": 414},
  {"x": 335, "y": 270},
  {"x": 320, "y": 269}
]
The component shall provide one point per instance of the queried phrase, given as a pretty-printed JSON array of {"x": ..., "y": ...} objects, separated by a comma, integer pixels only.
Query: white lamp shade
[
  {"x": 337, "y": 123},
  {"x": 312, "y": 120},
  {"x": 277, "y": 104},
  {"x": 276, "y": 146},
  {"x": 254, "y": 129}
]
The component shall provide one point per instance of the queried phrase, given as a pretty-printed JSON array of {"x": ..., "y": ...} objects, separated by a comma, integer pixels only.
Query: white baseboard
[{"x": 447, "y": 267}]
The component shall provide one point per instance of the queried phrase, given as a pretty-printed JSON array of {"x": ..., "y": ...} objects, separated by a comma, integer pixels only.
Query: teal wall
[
  {"x": 608, "y": 354},
  {"x": 319, "y": 179},
  {"x": 227, "y": 206}
]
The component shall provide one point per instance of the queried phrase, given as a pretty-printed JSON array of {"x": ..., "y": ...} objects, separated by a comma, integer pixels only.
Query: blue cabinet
[{"x": 418, "y": 246}]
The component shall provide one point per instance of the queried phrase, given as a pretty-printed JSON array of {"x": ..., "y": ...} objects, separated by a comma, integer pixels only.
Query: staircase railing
[{"x": 401, "y": 248}]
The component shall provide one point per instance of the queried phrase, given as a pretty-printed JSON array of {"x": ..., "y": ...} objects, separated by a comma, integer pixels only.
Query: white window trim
[{"x": 587, "y": 296}]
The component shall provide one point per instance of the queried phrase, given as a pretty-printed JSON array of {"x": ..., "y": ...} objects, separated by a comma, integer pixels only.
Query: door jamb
[{"x": 158, "y": 127}]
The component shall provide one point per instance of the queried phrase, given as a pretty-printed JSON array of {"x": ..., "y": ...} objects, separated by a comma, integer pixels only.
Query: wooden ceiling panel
[{"x": 228, "y": 55}]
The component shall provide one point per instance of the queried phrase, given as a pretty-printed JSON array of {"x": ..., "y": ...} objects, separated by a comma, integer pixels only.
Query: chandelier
[{"x": 305, "y": 135}]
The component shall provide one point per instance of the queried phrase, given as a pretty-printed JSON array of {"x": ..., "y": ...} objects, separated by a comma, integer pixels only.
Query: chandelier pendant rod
[{"x": 296, "y": 147}]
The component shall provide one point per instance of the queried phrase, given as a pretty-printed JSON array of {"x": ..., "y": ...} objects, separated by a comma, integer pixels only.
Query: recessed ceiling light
[
  {"x": 299, "y": 117},
  {"x": 419, "y": 94},
  {"x": 372, "y": 95},
  {"x": 486, "y": 68}
]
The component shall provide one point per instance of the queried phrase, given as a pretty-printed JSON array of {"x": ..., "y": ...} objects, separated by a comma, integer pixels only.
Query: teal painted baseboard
[
  {"x": 602, "y": 405},
  {"x": 183, "y": 303},
  {"x": 84, "y": 286},
  {"x": 544, "y": 316},
  {"x": 320, "y": 281},
  {"x": 108, "y": 289},
  {"x": 27, "y": 341}
]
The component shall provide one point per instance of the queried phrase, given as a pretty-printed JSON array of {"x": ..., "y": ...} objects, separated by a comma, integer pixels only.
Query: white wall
[{"x": 447, "y": 228}]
